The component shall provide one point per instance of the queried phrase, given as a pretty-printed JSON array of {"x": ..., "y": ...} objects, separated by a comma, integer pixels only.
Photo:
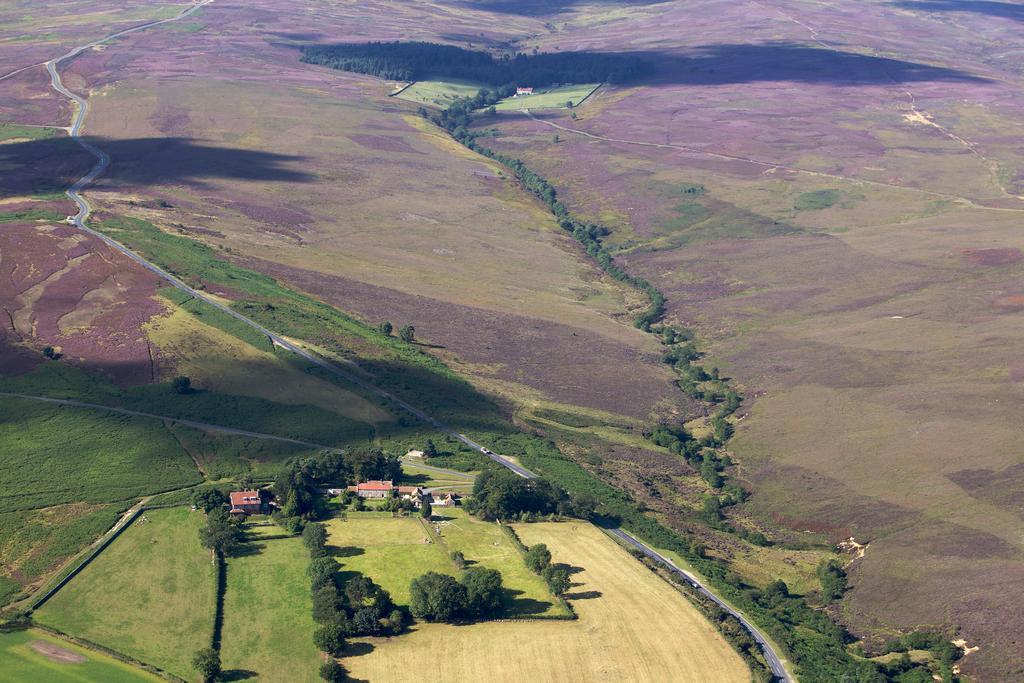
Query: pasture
[
  {"x": 394, "y": 551},
  {"x": 149, "y": 595},
  {"x": 35, "y": 655},
  {"x": 632, "y": 626},
  {"x": 268, "y": 626},
  {"x": 549, "y": 98},
  {"x": 438, "y": 93},
  {"x": 391, "y": 551}
]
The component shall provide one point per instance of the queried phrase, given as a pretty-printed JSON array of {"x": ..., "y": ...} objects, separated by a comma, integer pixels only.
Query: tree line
[{"x": 413, "y": 61}]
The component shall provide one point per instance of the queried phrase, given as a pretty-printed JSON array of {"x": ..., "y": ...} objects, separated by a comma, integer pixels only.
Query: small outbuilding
[{"x": 523, "y": 92}]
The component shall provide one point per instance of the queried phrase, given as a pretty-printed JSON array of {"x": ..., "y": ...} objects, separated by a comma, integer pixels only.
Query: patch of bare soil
[{"x": 56, "y": 653}]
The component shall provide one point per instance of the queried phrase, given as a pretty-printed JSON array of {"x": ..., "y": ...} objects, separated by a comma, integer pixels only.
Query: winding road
[{"x": 350, "y": 373}]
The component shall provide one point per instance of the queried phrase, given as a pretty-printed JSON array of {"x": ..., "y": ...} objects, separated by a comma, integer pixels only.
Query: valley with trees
[{"x": 339, "y": 336}]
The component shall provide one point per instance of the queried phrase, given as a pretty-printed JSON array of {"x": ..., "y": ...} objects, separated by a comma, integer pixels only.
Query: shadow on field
[
  {"x": 237, "y": 675},
  {"x": 53, "y": 164},
  {"x": 347, "y": 551},
  {"x": 521, "y": 607},
  {"x": 535, "y": 8},
  {"x": 1005, "y": 10},
  {"x": 782, "y": 61},
  {"x": 583, "y": 595}
]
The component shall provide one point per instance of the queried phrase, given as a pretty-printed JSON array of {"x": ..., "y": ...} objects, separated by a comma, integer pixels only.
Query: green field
[
  {"x": 391, "y": 551},
  {"x": 549, "y": 98},
  {"x": 438, "y": 93},
  {"x": 12, "y": 131},
  {"x": 150, "y": 595},
  {"x": 19, "y": 662},
  {"x": 268, "y": 624},
  {"x": 68, "y": 474},
  {"x": 54, "y": 455}
]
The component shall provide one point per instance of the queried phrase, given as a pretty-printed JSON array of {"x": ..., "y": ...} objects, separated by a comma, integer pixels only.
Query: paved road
[{"x": 348, "y": 374}]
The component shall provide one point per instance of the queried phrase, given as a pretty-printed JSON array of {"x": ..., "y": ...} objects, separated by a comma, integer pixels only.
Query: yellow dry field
[
  {"x": 220, "y": 362},
  {"x": 637, "y": 629}
]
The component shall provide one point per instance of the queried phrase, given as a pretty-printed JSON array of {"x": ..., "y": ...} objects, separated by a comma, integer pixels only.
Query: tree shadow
[
  {"x": 249, "y": 548},
  {"x": 582, "y": 595},
  {"x": 358, "y": 649},
  {"x": 414, "y": 479},
  {"x": 1004, "y": 10},
  {"x": 570, "y": 569},
  {"x": 55, "y": 163},
  {"x": 346, "y": 551},
  {"x": 515, "y": 606},
  {"x": 237, "y": 675}
]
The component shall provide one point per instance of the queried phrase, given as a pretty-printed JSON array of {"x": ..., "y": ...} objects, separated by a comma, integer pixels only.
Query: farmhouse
[
  {"x": 246, "y": 503},
  {"x": 523, "y": 92},
  {"x": 373, "y": 489}
]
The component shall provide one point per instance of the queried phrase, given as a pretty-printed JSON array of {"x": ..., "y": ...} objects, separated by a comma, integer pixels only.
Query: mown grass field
[
  {"x": 438, "y": 93},
  {"x": 549, "y": 98},
  {"x": 268, "y": 625},
  {"x": 151, "y": 594},
  {"x": 20, "y": 663},
  {"x": 394, "y": 551},
  {"x": 391, "y": 551},
  {"x": 632, "y": 626}
]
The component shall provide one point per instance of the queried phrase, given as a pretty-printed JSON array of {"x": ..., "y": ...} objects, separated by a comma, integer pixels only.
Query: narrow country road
[{"x": 349, "y": 375}]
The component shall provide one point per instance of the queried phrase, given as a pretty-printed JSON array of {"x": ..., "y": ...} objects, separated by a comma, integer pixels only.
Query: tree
[
  {"x": 366, "y": 622},
  {"x": 430, "y": 450},
  {"x": 557, "y": 579},
  {"x": 321, "y": 572},
  {"x": 555, "y": 139},
  {"x": 330, "y": 638},
  {"x": 712, "y": 509},
  {"x": 386, "y": 328},
  {"x": 207, "y": 663},
  {"x": 568, "y": 104},
  {"x": 537, "y": 558},
  {"x": 459, "y": 560},
  {"x": 209, "y": 499},
  {"x": 833, "y": 580},
  {"x": 483, "y": 590},
  {"x": 221, "y": 533},
  {"x": 426, "y": 510},
  {"x": 332, "y": 672},
  {"x": 181, "y": 384},
  {"x": 325, "y": 604},
  {"x": 407, "y": 333},
  {"x": 437, "y": 597},
  {"x": 359, "y": 591},
  {"x": 50, "y": 353},
  {"x": 314, "y": 537}
]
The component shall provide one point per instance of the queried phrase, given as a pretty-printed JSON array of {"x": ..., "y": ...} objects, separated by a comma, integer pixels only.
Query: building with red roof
[{"x": 246, "y": 503}]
